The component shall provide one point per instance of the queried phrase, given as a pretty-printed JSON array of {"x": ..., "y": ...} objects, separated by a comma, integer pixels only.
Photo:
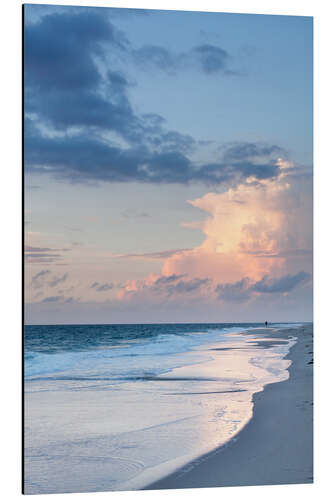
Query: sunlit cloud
[{"x": 251, "y": 242}]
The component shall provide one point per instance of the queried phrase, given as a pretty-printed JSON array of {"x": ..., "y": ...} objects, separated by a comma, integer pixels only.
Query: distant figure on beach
[{"x": 266, "y": 324}]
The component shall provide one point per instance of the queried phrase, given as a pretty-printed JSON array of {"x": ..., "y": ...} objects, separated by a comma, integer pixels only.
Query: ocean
[{"x": 116, "y": 407}]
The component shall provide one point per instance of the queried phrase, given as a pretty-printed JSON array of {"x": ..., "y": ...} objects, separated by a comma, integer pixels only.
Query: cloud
[
  {"x": 70, "y": 41},
  {"x": 56, "y": 281},
  {"x": 28, "y": 248},
  {"x": 257, "y": 243},
  {"x": 88, "y": 109},
  {"x": 282, "y": 284},
  {"x": 81, "y": 127},
  {"x": 162, "y": 280},
  {"x": 234, "y": 292},
  {"x": 165, "y": 287},
  {"x": 39, "y": 255},
  {"x": 246, "y": 256},
  {"x": 292, "y": 252},
  {"x": 104, "y": 287},
  {"x": 38, "y": 279},
  {"x": 45, "y": 279},
  {"x": 58, "y": 299},
  {"x": 206, "y": 58},
  {"x": 251, "y": 230},
  {"x": 163, "y": 254},
  {"x": 54, "y": 298},
  {"x": 245, "y": 150},
  {"x": 34, "y": 255},
  {"x": 212, "y": 59},
  {"x": 88, "y": 158},
  {"x": 70, "y": 300},
  {"x": 245, "y": 289},
  {"x": 40, "y": 274},
  {"x": 79, "y": 89},
  {"x": 188, "y": 286},
  {"x": 154, "y": 55}
]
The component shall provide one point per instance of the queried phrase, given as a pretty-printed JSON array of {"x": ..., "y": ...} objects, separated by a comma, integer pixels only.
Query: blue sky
[{"x": 167, "y": 144}]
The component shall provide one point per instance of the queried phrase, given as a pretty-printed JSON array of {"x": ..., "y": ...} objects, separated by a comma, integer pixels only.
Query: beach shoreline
[
  {"x": 276, "y": 445},
  {"x": 200, "y": 410}
]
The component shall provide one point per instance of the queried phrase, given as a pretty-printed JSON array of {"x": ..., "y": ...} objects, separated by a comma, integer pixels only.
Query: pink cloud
[{"x": 257, "y": 233}]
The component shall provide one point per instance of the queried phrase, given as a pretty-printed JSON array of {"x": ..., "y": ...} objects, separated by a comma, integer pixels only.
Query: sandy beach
[
  {"x": 276, "y": 446},
  {"x": 227, "y": 408}
]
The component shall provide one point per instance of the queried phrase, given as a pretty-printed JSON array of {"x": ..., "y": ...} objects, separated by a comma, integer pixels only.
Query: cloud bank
[{"x": 81, "y": 127}]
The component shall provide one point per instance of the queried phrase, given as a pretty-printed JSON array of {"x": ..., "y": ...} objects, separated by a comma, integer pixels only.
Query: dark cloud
[
  {"x": 59, "y": 298},
  {"x": 188, "y": 286},
  {"x": 63, "y": 84},
  {"x": 38, "y": 255},
  {"x": 57, "y": 280},
  {"x": 166, "y": 141},
  {"x": 281, "y": 285},
  {"x": 70, "y": 300},
  {"x": 54, "y": 298},
  {"x": 41, "y": 255},
  {"x": 154, "y": 55},
  {"x": 34, "y": 12},
  {"x": 72, "y": 81},
  {"x": 66, "y": 88},
  {"x": 243, "y": 290},
  {"x": 40, "y": 275},
  {"x": 168, "y": 279},
  {"x": 88, "y": 158},
  {"x": 81, "y": 158},
  {"x": 245, "y": 150},
  {"x": 212, "y": 59},
  {"x": 28, "y": 248},
  {"x": 44, "y": 279},
  {"x": 176, "y": 284},
  {"x": 105, "y": 287},
  {"x": 85, "y": 108},
  {"x": 235, "y": 172},
  {"x": 37, "y": 280},
  {"x": 234, "y": 292},
  {"x": 60, "y": 50}
]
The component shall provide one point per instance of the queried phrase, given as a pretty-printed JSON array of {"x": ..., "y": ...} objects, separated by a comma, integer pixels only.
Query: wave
[
  {"x": 161, "y": 354},
  {"x": 128, "y": 357}
]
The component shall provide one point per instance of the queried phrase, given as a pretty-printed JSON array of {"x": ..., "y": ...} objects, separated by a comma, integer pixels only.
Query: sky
[{"x": 168, "y": 166}]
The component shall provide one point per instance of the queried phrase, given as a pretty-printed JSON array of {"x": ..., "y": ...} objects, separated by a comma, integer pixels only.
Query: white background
[{"x": 10, "y": 234}]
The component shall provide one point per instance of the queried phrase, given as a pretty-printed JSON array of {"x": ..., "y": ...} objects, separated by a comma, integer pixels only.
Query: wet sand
[{"x": 276, "y": 446}]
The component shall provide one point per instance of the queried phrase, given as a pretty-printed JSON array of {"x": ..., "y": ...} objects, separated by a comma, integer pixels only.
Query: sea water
[{"x": 114, "y": 407}]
